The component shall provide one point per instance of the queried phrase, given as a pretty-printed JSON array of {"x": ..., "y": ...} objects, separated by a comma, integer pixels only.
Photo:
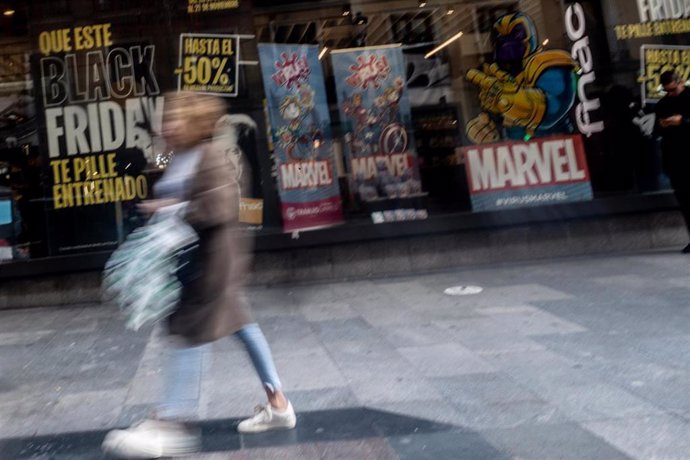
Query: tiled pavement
[{"x": 571, "y": 359}]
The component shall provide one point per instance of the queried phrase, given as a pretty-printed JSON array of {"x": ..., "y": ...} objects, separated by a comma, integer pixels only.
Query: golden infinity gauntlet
[{"x": 501, "y": 95}]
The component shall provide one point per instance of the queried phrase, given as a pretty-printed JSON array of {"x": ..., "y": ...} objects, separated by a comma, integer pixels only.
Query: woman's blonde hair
[{"x": 199, "y": 111}]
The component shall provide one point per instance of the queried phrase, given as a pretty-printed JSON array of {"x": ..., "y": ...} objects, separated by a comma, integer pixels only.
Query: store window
[
  {"x": 380, "y": 110},
  {"x": 643, "y": 40},
  {"x": 22, "y": 221},
  {"x": 458, "y": 63}
]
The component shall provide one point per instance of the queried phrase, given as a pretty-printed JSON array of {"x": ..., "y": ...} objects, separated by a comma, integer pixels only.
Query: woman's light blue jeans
[{"x": 183, "y": 373}]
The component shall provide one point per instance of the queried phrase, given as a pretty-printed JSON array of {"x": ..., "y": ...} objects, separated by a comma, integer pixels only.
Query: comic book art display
[
  {"x": 375, "y": 111},
  {"x": 301, "y": 136},
  {"x": 527, "y": 91},
  {"x": 527, "y": 149}
]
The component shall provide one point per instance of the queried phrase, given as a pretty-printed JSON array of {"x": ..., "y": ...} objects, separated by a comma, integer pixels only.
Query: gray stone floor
[{"x": 585, "y": 358}]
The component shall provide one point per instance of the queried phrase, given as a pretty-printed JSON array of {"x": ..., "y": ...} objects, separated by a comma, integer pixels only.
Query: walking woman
[{"x": 212, "y": 304}]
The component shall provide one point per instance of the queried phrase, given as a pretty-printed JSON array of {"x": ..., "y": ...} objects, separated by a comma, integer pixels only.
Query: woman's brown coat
[{"x": 213, "y": 304}]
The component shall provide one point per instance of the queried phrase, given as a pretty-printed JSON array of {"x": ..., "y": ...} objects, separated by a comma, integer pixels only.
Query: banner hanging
[
  {"x": 301, "y": 135},
  {"x": 375, "y": 110}
]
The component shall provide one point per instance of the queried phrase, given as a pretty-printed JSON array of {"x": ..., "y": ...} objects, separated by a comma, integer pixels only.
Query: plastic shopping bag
[{"x": 141, "y": 275}]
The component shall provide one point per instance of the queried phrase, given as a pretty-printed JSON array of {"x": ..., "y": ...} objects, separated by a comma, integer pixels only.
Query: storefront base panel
[
  {"x": 625, "y": 233},
  {"x": 466, "y": 249}
]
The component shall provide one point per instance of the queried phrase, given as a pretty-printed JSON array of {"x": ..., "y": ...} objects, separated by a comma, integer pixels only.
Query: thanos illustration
[{"x": 527, "y": 92}]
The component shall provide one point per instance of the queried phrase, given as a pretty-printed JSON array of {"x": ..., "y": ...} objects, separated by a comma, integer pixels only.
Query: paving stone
[
  {"x": 289, "y": 333},
  {"x": 530, "y": 321},
  {"x": 386, "y": 388},
  {"x": 541, "y": 369},
  {"x": 616, "y": 362},
  {"x": 602, "y": 350},
  {"x": 527, "y": 293},
  {"x": 415, "y": 335},
  {"x": 24, "y": 338},
  {"x": 613, "y": 313},
  {"x": 662, "y": 436},
  {"x": 323, "y": 398},
  {"x": 563, "y": 441},
  {"x": 515, "y": 372},
  {"x": 347, "y": 291},
  {"x": 388, "y": 311},
  {"x": 324, "y": 311},
  {"x": 668, "y": 394},
  {"x": 445, "y": 360},
  {"x": 458, "y": 445},
  {"x": 488, "y": 388},
  {"x": 414, "y": 293},
  {"x": 84, "y": 411},
  {"x": 369, "y": 449},
  {"x": 344, "y": 330},
  {"x": 368, "y": 358},
  {"x": 485, "y": 336},
  {"x": 670, "y": 349},
  {"x": 130, "y": 415},
  {"x": 263, "y": 297},
  {"x": 35, "y": 319},
  {"x": 627, "y": 281},
  {"x": 439, "y": 411},
  {"x": 230, "y": 387},
  {"x": 308, "y": 370},
  {"x": 508, "y": 415},
  {"x": 597, "y": 402}
]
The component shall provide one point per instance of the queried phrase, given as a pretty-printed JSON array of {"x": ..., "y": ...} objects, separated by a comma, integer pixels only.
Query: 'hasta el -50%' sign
[
  {"x": 208, "y": 64},
  {"x": 657, "y": 59}
]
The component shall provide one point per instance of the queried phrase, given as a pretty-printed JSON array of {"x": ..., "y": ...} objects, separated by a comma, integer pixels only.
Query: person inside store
[
  {"x": 673, "y": 126},
  {"x": 212, "y": 305}
]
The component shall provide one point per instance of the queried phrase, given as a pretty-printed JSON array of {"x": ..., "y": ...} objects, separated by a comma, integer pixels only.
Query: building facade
[{"x": 348, "y": 117}]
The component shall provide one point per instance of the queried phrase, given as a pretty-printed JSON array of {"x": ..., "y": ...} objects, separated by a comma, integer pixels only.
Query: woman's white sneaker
[
  {"x": 267, "y": 418},
  {"x": 152, "y": 439}
]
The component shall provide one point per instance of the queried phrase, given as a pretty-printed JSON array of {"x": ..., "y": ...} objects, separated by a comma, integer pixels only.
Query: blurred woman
[{"x": 202, "y": 184}]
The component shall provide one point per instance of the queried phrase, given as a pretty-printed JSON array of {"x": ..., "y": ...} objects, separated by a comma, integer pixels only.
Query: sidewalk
[{"x": 585, "y": 358}]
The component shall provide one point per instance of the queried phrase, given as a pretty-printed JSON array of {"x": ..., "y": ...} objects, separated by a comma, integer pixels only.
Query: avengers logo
[{"x": 394, "y": 139}]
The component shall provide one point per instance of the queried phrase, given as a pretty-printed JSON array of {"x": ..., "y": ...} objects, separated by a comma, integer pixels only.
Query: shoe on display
[
  {"x": 152, "y": 439},
  {"x": 267, "y": 418}
]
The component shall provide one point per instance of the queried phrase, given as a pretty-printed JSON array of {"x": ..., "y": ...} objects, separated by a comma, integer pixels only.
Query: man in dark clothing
[{"x": 673, "y": 125}]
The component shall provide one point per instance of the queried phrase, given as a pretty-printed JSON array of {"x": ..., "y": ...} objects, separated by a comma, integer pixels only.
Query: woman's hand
[{"x": 149, "y": 207}]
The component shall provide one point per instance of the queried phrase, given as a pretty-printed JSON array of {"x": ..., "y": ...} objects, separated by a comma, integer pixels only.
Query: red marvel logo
[
  {"x": 369, "y": 71},
  {"x": 292, "y": 70}
]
